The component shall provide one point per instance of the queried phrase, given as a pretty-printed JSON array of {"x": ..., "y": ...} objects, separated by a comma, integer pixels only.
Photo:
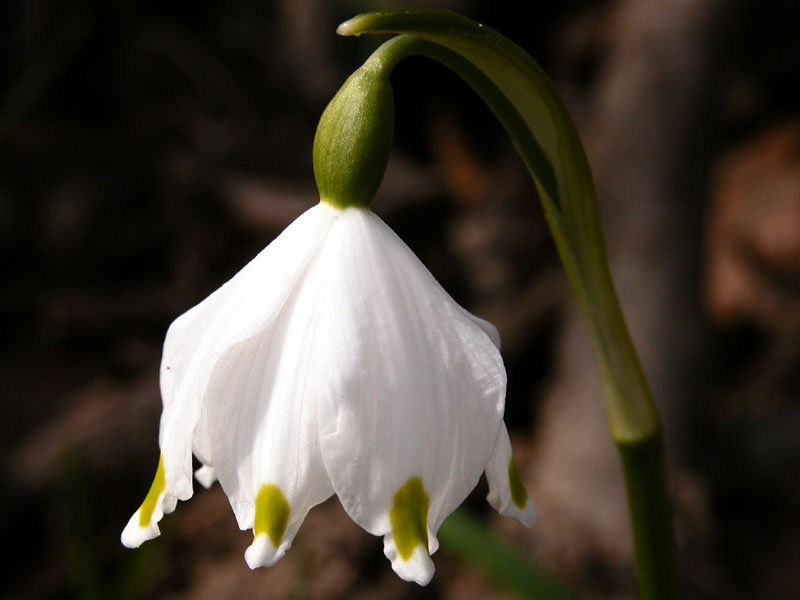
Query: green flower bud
[{"x": 354, "y": 137}]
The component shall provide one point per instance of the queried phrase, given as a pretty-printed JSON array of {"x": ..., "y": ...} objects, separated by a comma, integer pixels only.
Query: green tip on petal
[
  {"x": 272, "y": 513},
  {"x": 409, "y": 517},
  {"x": 150, "y": 501},
  {"x": 518, "y": 492}
]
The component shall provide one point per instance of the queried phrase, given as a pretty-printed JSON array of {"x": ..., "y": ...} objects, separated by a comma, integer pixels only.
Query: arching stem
[{"x": 525, "y": 102}]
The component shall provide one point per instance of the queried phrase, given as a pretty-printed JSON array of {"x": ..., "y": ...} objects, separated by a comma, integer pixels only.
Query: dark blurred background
[{"x": 149, "y": 149}]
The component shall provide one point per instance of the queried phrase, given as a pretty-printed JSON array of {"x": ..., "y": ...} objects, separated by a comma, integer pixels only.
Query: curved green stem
[
  {"x": 651, "y": 518},
  {"x": 525, "y": 102}
]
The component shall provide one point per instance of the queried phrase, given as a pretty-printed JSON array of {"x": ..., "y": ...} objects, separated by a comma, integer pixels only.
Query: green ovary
[
  {"x": 409, "y": 517},
  {"x": 518, "y": 492},
  {"x": 272, "y": 513},
  {"x": 150, "y": 501}
]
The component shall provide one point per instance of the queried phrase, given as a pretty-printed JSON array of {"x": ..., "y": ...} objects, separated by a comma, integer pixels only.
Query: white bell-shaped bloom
[{"x": 334, "y": 363}]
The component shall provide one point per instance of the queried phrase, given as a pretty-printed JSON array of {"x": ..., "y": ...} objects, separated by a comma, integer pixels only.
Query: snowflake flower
[{"x": 334, "y": 363}]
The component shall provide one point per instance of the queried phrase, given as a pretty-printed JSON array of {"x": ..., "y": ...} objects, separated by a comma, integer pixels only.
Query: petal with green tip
[
  {"x": 507, "y": 493},
  {"x": 409, "y": 385}
]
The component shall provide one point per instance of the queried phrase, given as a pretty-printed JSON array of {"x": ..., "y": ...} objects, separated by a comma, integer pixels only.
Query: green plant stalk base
[{"x": 651, "y": 518}]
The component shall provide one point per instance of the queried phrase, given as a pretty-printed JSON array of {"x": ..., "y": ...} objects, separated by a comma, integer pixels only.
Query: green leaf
[{"x": 465, "y": 536}]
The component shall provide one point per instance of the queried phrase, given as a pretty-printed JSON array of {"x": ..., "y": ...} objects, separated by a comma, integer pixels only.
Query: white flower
[{"x": 334, "y": 363}]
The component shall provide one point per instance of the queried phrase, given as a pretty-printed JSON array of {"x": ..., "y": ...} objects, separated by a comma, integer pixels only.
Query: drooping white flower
[{"x": 334, "y": 363}]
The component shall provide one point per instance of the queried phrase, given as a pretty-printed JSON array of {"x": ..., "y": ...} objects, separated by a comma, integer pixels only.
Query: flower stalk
[{"x": 525, "y": 102}]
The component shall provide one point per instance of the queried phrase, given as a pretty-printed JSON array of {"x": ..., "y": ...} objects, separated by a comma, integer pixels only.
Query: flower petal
[
  {"x": 507, "y": 494},
  {"x": 262, "y": 418},
  {"x": 203, "y": 449},
  {"x": 406, "y": 545},
  {"x": 195, "y": 341},
  {"x": 409, "y": 387},
  {"x": 487, "y": 328},
  {"x": 143, "y": 525},
  {"x": 206, "y": 475}
]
